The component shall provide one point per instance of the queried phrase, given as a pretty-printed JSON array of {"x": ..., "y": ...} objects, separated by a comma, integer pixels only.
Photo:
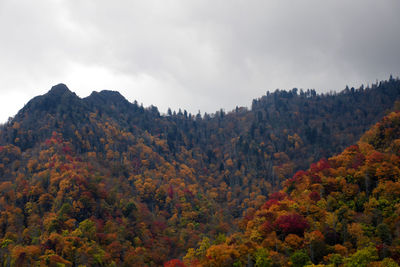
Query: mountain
[
  {"x": 343, "y": 211},
  {"x": 101, "y": 181}
]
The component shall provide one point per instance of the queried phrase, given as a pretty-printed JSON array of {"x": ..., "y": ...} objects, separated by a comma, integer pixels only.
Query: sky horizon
[
  {"x": 193, "y": 55},
  {"x": 211, "y": 112}
]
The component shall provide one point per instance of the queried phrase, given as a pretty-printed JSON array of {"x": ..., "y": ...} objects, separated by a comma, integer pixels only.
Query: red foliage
[
  {"x": 115, "y": 249},
  {"x": 66, "y": 149},
  {"x": 321, "y": 165},
  {"x": 299, "y": 174},
  {"x": 101, "y": 237},
  {"x": 54, "y": 139},
  {"x": 331, "y": 186},
  {"x": 170, "y": 191},
  {"x": 314, "y": 196},
  {"x": 188, "y": 192},
  {"x": 136, "y": 164},
  {"x": 64, "y": 167},
  {"x": 315, "y": 179},
  {"x": 353, "y": 148},
  {"x": 48, "y": 142},
  {"x": 278, "y": 195},
  {"x": 174, "y": 263},
  {"x": 99, "y": 224},
  {"x": 266, "y": 227},
  {"x": 269, "y": 203},
  {"x": 81, "y": 181},
  {"x": 249, "y": 217},
  {"x": 358, "y": 160},
  {"x": 297, "y": 178},
  {"x": 1, "y": 148},
  {"x": 292, "y": 224},
  {"x": 375, "y": 157},
  {"x": 70, "y": 159},
  {"x": 118, "y": 220},
  {"x": 158, "y": 226}
]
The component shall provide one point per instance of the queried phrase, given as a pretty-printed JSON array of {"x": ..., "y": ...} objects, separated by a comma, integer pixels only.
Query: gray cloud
[{"x": 193, "y": 54}]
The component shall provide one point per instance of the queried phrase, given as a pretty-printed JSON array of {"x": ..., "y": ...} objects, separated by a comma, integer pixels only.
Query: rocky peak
[{"x": 59, "y": 90}]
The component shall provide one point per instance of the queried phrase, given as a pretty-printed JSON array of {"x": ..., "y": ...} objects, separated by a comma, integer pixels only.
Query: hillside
[
  {"x": 343, "y": 211},
  {"x": 102, "y": 181}
]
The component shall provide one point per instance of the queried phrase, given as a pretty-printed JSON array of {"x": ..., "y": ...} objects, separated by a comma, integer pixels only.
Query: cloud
[{"x": 195, "y": 55}]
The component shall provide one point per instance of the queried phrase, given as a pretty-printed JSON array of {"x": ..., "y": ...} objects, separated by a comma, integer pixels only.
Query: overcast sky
[{"x": 195, "y": 55}]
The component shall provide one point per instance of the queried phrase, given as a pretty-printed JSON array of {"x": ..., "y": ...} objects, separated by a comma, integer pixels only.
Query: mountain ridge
[{"x": 110, "y": 182}]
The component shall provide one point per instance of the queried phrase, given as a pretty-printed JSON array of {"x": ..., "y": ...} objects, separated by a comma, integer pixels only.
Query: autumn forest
[{"x": 297, "y": 179}]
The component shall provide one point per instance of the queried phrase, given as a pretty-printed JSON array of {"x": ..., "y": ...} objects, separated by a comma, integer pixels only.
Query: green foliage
[
  {"x": 204, "y": 244},
  {"x": 65, "y": 210},
  {"x": 87, "y": 229},
  {"x": 389, "y": 262},
  {"x": 4, "y": 243},
  {"x": 129, "y": 209},
  {"x": 336, "y": 260},
  {"x": 362, "y": 257},
  {"x": 383, "y": 232},
  {"x": 221, "y": 238},
  {"x": 300, "y": 258},
  {"x": 262, "y": 259}
]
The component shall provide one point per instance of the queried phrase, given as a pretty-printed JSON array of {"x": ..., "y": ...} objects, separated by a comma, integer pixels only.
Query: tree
[
  {"x": 362, "y": 257},
  {"x": 174, "y": 263},
  {"x": 300, "y": 258},
  {"x": 262, "y": 259},
  {"x": 292, "y": 224}
]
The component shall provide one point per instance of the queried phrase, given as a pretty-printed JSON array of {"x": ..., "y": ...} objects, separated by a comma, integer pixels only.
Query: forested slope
[
  {"x": 343, "y": 211},
  {"x": 103, "y": 181}
]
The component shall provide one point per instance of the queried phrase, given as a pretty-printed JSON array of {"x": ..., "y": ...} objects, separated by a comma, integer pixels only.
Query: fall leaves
[
  {"x": 341, "y": 212},
  {"x": 121, "y": 185}
]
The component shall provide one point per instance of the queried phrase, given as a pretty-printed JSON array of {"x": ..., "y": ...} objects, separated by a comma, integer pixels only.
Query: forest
[{"x": 298, "y": 179}]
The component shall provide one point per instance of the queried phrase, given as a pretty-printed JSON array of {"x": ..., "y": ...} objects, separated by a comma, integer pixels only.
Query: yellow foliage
[{"x": 293, "y": 241}]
